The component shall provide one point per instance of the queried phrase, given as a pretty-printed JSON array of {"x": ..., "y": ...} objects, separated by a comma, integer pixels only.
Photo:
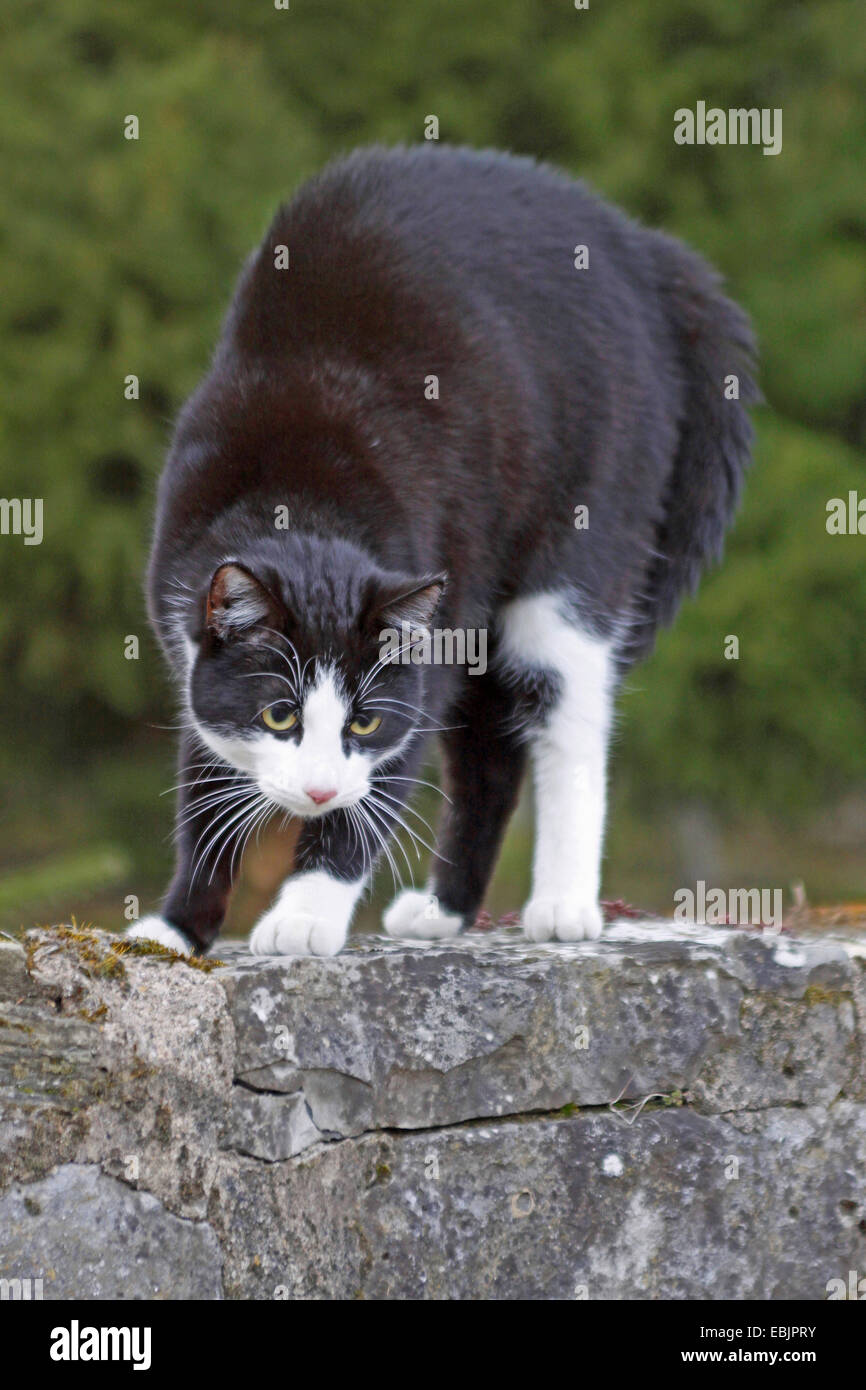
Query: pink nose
[{"x": 320, "y": 797}]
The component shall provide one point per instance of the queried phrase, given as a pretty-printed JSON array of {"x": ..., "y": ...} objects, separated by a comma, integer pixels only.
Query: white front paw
[
  {"x": 568, "y": 919},
  {"x": 310, "y": 917},
  {"x": 157, "y": 929},
  {"x": 420, "y": 917}
]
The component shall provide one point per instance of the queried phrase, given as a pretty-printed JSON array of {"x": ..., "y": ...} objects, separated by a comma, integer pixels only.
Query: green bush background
[{"x": 120, "y": 257}]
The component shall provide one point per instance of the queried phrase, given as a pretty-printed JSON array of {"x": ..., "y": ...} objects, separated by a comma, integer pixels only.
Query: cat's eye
[
  {"x": 358, "y": 726},
  {"x": 280, "y": 717}
]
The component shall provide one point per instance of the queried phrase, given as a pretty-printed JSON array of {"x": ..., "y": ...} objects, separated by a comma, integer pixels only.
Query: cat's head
[{"x": 302, "y": 690}]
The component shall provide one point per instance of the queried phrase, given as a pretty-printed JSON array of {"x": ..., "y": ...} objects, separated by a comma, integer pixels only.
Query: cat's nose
[{"x": 320, "y": 797}]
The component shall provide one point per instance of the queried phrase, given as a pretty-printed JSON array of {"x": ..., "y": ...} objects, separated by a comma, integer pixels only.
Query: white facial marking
[
  {"x": 288, "y": 770},
  {"x": 569, "y": 754}
]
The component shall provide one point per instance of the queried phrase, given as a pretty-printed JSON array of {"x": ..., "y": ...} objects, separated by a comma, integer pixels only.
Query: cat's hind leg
[{"x": 568, "y": 746}]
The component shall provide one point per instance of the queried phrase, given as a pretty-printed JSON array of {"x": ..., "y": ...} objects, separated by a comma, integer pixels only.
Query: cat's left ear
[
  {"x": 410, "y": 603},
  {"x": 238, "y": 604}
]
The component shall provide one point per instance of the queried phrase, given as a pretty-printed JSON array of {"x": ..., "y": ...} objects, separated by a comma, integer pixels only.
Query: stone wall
[{"x": 667, "y": 1113}]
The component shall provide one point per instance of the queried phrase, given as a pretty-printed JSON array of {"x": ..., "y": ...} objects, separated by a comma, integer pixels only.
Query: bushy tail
[{"x": 715, "y": 344}]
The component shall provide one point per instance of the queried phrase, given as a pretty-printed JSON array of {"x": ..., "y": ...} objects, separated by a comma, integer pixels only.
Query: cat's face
[{"x": 309, "y": 707}]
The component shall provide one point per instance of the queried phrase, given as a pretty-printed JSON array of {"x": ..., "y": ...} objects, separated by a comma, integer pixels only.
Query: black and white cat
[{"x": 421, "y": 386}]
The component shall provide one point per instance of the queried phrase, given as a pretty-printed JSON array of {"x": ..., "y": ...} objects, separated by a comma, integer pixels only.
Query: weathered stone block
[
  {"x": 393, "y": 1036},
  {"x": 272, "y": 1127},
  {"x": 677, "y": 1205},
  {"x": 661, "y": 1114},
  {"x": 86, "y": 1235}
]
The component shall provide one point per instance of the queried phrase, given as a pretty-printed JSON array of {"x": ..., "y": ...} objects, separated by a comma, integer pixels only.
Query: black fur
[{"x": 557, "y": 387}]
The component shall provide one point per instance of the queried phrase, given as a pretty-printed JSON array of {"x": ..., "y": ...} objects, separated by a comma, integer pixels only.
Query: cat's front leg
[
  {"x": 310, "y": 917},
  {"x": 156, "y": 928},
  {"x": 313, "y": 910},
  {"x": 191, "y": 917},
  {"x": 215, "y": 807}
]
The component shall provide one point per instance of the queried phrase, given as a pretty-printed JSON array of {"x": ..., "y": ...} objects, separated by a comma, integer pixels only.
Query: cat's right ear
[{"x": 239, "y": 605}]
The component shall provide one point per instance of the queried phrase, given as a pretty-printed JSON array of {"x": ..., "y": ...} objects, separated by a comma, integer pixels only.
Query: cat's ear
[
  {"x": 410, "y": 603},
  {"x": 239, "y": 604}
]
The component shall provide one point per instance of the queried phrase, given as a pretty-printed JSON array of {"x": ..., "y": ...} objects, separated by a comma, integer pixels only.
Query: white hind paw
[
  {"x": 419, "y": 916},
  {"x": 567, "y": 919}
]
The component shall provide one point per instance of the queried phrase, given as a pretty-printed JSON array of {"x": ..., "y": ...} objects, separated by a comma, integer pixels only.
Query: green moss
[
  {"x": 106, "y": 961},
  {"x": 817, "y": 994},
  {"x": 94, "y": 960},
  {"x": 153, "y": 948},
  {"x": 93, "y": 1015}
]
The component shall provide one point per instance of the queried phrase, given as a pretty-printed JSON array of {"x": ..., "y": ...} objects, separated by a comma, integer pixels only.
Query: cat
[{"x": 431, "y": 408}]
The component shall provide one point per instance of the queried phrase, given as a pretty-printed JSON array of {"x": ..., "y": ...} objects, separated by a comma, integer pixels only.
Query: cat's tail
[{"x": 716, "y": 351}]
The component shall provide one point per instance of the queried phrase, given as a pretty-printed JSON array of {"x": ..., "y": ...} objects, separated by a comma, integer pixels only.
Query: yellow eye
[
  {"x": 279, "y": 717},
  {"x": 361, "y": 729}
]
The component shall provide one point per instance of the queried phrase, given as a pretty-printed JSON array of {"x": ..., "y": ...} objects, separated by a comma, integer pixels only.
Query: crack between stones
[{"x": 656, "y": 1105}]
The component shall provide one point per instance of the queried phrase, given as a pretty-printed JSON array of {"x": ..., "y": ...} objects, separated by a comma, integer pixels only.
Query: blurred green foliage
[{"x": 120, "y": 257}]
